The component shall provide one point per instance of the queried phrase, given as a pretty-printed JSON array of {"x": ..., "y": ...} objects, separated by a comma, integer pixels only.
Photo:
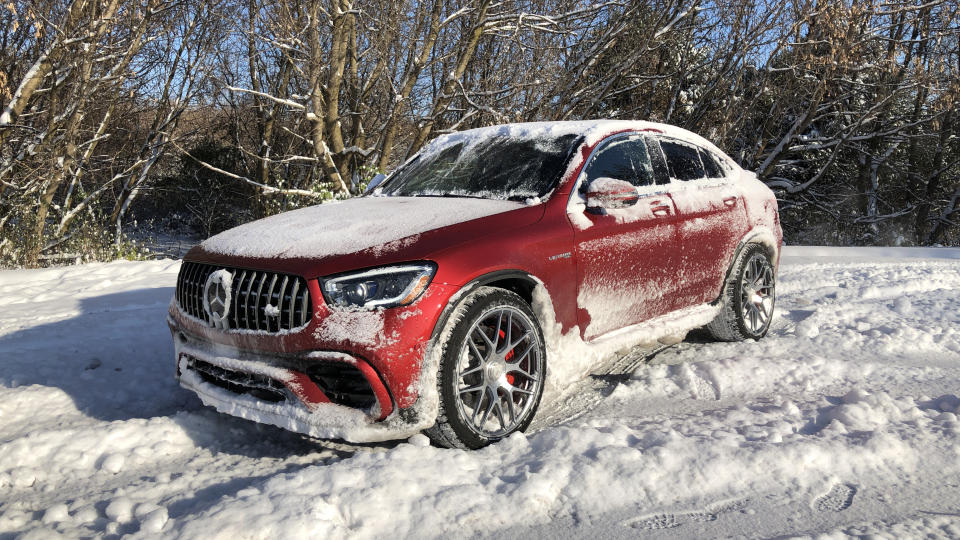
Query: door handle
[
  {"x": 659, "y": 209},
  {"x": 730, "y": 201}
]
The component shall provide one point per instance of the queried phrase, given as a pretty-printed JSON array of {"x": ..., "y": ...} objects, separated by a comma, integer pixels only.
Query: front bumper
[
  {"x": 274, "y": 378},
  {"x": 254, "y": 387}
]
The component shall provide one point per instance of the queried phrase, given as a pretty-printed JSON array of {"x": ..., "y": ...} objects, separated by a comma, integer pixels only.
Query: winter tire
[
  {"x": 748, "y": 297},
  {"x": 492, "y": 370}
]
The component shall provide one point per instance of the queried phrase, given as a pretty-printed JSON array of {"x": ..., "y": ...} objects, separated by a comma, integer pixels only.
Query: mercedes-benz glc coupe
[{"x": 493, "y": 265}]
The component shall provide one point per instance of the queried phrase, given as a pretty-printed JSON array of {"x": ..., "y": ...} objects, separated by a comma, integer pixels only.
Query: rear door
[
  {"x": 712, "y": 219},
  {"x": 625, "y": 257}
]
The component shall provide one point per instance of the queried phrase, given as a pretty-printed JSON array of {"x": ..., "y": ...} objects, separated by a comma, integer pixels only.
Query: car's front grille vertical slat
[
  {"x": 304, "y": 306},
  {"x": 186, "y": 300},
  {"x": 245, "y": 298},
  {"x": 235, "y": 300},
  {"x": 179, "y": 293},
  {"x": 267, "y": 319},
  {"x": 196, "y": 292},
  {"x": 280, "y": 296},
  {"x": 252, "y": 291},
  {"x": 251, "y": 307},
  {"x": 257, "y": 305},
  {"x": 293, "y": 302},
  {"x": 201, "y": 280}
]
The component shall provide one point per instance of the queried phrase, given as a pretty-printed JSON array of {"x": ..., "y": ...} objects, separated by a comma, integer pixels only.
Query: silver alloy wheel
[
  {"x": 757, "y": 293},
  {"x": 499, "y": 372}
]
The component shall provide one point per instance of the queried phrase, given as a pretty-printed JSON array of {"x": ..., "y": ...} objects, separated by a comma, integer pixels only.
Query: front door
[{"x": 625, "y": 257}]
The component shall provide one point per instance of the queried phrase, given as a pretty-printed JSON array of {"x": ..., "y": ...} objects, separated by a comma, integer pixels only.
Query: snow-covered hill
[{"x": 843, "y": 420}]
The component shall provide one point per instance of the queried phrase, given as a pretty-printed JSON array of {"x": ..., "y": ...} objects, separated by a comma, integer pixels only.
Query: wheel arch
[
  {"x": 516, "y": 281},
  {"x": 761, "y": 236}
]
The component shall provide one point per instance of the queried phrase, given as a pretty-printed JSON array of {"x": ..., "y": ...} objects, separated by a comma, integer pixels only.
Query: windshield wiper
[{"x": 450, "y": 195}]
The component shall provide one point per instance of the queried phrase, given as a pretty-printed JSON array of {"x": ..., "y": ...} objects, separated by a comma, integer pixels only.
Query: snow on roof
[{"x": 592, "y": 130}]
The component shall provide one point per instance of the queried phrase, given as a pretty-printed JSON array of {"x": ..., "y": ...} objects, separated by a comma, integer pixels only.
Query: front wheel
[
  {"x": 748, "y": 297},
  {"x": 492, "y": 370}
]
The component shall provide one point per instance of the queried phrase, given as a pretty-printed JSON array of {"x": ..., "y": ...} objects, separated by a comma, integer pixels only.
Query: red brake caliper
[{"x": 508, "y": 357}]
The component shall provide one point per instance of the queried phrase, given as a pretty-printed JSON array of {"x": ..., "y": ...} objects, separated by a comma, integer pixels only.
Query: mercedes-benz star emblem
[{"x": 216, "y": 299}]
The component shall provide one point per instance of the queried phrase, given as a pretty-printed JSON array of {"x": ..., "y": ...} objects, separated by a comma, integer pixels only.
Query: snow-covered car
[{"x": 496, "y": 264}]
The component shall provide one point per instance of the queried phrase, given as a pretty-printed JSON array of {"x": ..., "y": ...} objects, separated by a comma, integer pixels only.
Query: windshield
[{"x": 497, "y": 167}]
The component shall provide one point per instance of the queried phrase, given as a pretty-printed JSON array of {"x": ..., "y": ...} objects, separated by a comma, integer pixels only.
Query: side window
[
  {"x": 683, "y": 160},
  {"x": 710, "y": 165},
  {"x": 622, "y": 159}
]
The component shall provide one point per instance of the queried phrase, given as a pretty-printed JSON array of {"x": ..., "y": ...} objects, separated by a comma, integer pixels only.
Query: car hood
[{"x": 359, "y": 232}]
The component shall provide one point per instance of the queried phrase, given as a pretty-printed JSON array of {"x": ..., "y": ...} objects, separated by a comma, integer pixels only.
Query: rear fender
[{"x": 758, "y": 235}]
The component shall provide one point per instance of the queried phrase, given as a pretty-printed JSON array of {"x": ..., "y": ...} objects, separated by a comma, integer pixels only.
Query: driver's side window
[{"x": 624, "y": 158}]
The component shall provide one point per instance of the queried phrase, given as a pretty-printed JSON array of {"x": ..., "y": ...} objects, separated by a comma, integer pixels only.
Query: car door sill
[{"x": 666, "y": 329}]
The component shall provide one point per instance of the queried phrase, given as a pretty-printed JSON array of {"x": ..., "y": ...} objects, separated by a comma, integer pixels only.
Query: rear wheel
[
  {"x": 492, "y": 371},
  {"x": 748, "y": 297}
]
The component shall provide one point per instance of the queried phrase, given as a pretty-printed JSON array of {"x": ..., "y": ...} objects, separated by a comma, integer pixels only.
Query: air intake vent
[
  {"x": 343, "y": 383},
  {"x": 258, "y": 386},
  {"x": 262, "y": 301}
]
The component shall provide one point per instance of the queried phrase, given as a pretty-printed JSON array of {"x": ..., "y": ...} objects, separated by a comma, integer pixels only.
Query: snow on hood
[{"x": 349, "y": 226}]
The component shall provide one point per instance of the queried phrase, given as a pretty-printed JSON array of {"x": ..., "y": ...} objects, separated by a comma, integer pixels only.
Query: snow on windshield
[{"x": 494, "y": 167}]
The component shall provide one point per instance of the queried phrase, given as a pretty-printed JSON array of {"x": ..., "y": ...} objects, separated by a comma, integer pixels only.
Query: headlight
[{"x": 385, "y": 287}]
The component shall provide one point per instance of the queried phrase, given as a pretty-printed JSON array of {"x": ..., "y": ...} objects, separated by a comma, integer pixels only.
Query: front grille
[
  {"x": 343, "y": 383},
  {"x": 252, "y": 292},
  {"x": 258, "y": 386}
]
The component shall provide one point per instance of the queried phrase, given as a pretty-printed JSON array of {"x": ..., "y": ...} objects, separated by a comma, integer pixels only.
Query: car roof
[{"x": 592, "y": 131}]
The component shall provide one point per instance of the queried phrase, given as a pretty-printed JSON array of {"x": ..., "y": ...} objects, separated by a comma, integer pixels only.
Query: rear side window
[
  {"x": 622, "y": 159},
  {"x": 710, "y": 165},
  {"x": 683, "y": 160}
]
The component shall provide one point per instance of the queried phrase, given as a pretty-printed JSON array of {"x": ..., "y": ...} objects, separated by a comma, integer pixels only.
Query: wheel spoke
[
  {"x": 762, "y": 311},
  {"x": 478, "y": 408},
  {"x": 471, "y": 389},
  {"x": 493, "y": 401},
  {"x": 517, "y": 358},
  {"x": 499, "y": 413},
  {"x": 471, "y": 371},
  {"x": 763, "y": 279},
  {"x": 526, "y": 374},
  {"x": 508, "y": 332},
  {"x": 518, "y": 341},
  {"x": 473, "y": 348},
  {"x": 483, "y": 335},
  {"x": 511, "y": 408},
  {"x": 522, "y": 390}
]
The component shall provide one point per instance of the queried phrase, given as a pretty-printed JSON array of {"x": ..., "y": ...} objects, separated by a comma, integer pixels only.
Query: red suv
[{"x": 495, "y": 263}]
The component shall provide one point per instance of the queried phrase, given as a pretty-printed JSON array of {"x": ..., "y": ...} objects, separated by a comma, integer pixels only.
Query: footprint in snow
[
  {"x": 839, "y": 498},
  {"x": 669, "y": 521}
]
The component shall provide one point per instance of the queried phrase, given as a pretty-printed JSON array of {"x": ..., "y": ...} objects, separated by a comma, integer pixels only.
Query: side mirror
[
  {"x": 374, "y": 182},
  {"x": 611, "y": 194}
]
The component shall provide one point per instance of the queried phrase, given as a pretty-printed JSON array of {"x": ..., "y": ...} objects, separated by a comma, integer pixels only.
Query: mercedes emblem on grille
[{"x": 216, "y": 299}]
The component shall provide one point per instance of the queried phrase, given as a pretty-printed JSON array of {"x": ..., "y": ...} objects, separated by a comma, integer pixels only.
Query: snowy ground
[{"x": 843, "y": 421}]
